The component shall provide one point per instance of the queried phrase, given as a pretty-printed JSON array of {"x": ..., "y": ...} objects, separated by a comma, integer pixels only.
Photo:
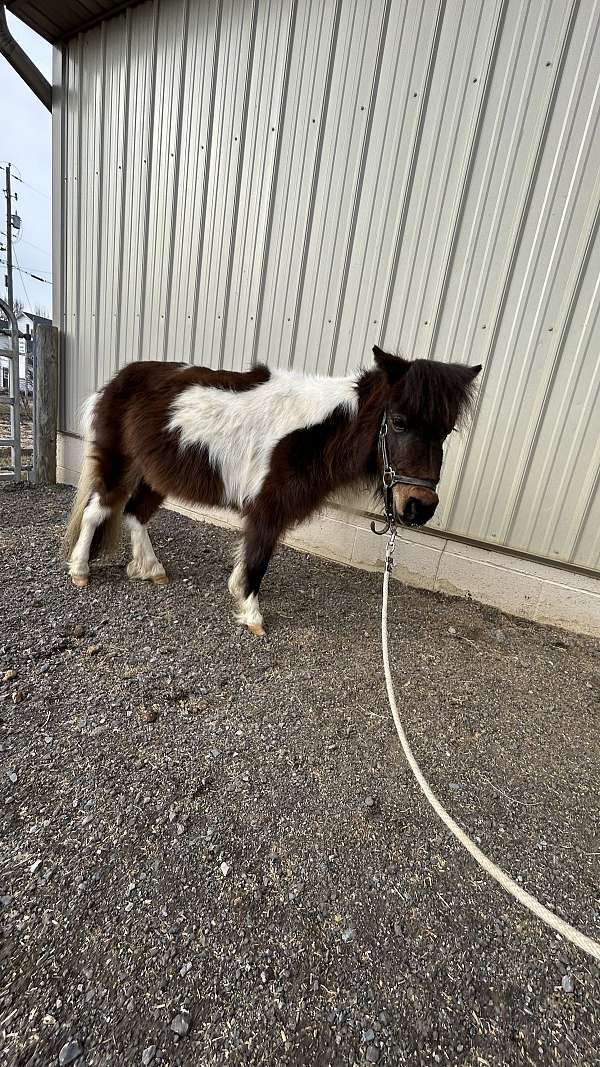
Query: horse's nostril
[
  {"x": 411, "y": 510},
  {"x": 417, "y": 512}
]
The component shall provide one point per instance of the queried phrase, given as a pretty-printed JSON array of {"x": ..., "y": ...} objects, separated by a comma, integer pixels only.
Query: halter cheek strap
[{"x": 390, "y": 479}]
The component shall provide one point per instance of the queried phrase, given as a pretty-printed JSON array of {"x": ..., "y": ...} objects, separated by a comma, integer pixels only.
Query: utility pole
[{"x": 9, "y": 280}]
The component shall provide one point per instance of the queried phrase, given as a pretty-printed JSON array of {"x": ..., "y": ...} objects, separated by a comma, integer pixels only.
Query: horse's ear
[{"x": 394, "y": 367}]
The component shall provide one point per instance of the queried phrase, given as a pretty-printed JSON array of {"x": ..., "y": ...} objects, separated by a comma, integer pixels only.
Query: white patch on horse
[
  {"x": 240, "y": 430},
  {"x": 144, "y": 563},
  {"x": 93, "y": 516},
  {"x": 86, "y": 416}
]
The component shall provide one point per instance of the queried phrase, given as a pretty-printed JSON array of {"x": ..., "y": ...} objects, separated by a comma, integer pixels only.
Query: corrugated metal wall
[{"x": 294, "y": 180}]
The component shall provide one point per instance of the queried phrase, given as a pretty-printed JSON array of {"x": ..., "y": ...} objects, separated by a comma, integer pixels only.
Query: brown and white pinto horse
[{"x": 270, "y": 444}]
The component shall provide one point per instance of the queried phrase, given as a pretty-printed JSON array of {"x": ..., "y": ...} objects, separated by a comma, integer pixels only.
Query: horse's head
[{"x": 425, "y": 401}]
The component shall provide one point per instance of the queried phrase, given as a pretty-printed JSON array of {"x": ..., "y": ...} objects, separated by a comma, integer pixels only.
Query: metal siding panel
[
  {"x": 163, "y": 167},
  {"x": 137, "y": 123},
  {"x": 267, "y": 86},
  {"x": 462, "y": 56},
  {"x": 292, "y": 182},
  {"x": 335, "y": 182},
  {"x": 116, "y": 95},
  {"x": 411, "y": 41},
  {"x": 537, "y": 294},
  {"x": 189, "y": 218},
  {"x": 310, "y": 65},
  {"x": 91, "y": 175},
  {"x": 489, "y": 234},
  {"x": 230, "y": 107},
  {"x": 72, "y": 354}
]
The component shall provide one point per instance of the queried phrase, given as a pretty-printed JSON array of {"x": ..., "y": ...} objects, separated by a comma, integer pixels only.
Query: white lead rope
[{"x": 563, "y": 928}]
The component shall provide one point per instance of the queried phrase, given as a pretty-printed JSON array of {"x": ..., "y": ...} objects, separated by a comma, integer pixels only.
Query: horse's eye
[{"x": 398, "y": 425}]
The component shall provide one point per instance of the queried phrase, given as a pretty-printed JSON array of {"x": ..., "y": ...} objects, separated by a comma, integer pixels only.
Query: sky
[{"x": 25, "y": 142}]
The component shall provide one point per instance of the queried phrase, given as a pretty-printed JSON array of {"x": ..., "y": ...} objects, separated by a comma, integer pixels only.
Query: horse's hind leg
[
  {"x": 138, "y": 512},
  {"x": 245, "y": 579},
  {"x": 94, "y": 516},
  {"x": 95, "y": 522}
]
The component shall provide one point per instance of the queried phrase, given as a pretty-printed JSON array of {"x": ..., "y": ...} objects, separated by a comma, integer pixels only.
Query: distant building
[{"x": 26, "y": 322}]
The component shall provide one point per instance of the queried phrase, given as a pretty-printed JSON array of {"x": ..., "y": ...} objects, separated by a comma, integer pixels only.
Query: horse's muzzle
[
  {"x": 416, "y": 512},
  {"x": 414, "y": 505}
]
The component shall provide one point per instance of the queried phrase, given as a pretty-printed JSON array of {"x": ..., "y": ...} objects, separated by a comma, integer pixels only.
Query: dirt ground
[{"x": 214, "y": 853}]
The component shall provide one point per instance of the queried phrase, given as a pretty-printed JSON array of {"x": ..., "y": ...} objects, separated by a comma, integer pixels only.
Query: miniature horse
[{"x": 269, "y": 444}]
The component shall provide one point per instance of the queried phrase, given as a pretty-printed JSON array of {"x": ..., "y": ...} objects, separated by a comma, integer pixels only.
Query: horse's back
[{"x": 153, "y": 375}]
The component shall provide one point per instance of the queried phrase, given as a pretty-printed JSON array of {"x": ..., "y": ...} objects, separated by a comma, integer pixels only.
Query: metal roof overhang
[{"x": 56, "y": 20}]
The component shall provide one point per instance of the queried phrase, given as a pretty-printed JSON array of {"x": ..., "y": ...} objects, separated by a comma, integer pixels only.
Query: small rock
[
  {"x": 181, "y": 1023},
  {"x": 148, "y": 715},
  {"x": 568, "y": 984},
  {"x": 93, "y": 650},
  {"x": 12, "y": 777},
  {"x": 500, "y": 636},
  {"x": 452, "y": 631},
  {"x": 79, "y": 630},
  {"x": 69, "y": 1053},
  {"x": 225, "y": 868},
  {"x": 17, "y": 696},
  {"x": 368, "y": 1036},
  {"x": 148, "y": 1055},
  {"x": 348, "y": 934},
  {"x": 369, "y": 801},
  {"x": 34, "y": 866},
  {"x": 372, "y": 1054},
  {"x": 185, "y": 969},
  {"x": 9, "y": 675}
]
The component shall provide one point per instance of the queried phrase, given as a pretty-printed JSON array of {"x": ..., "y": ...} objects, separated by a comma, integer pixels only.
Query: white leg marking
[
  {"x": 236, "y": 584},
  {"x": 93, "y": 516},
  {"x": 144, "y": 563},
  {"x": 249, "y": 615}
]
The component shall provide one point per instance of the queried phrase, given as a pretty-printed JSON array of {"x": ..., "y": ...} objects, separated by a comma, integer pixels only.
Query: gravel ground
[{"x": 214, "y": 853}]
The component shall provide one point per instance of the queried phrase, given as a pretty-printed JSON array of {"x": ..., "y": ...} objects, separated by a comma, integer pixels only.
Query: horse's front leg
[{"x": 244, "y": 582}]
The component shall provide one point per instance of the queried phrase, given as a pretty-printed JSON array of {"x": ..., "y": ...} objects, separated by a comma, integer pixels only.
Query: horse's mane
[{"x": 437, "y": 396}]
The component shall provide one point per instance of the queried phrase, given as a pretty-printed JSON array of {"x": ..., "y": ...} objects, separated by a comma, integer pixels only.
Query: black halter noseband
[{"x": 390, "y": 479}]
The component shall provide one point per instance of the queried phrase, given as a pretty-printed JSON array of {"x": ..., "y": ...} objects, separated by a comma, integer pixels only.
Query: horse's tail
[{"x": 107, "y": 536}]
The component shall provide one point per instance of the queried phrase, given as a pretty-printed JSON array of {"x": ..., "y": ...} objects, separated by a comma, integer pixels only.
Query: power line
[
  {"x": 23, "y": 240},
  {"x": 30, "y": 273},
  {"x": 29, "y": 186},
  {"x": 28, "y": 270}
]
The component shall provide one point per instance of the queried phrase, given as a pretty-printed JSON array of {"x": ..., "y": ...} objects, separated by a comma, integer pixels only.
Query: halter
[{"x": 390, "y": 479}]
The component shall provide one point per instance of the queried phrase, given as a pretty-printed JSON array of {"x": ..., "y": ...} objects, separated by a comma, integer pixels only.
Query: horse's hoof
[
  {"x": 257, "y": 629},
  {"x": 79, "y": 580},
  {"x": 160, "y": 579}
]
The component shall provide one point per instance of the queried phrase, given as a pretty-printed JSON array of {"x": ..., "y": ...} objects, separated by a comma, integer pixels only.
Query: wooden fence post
[{"x": 45, "y": 419}]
